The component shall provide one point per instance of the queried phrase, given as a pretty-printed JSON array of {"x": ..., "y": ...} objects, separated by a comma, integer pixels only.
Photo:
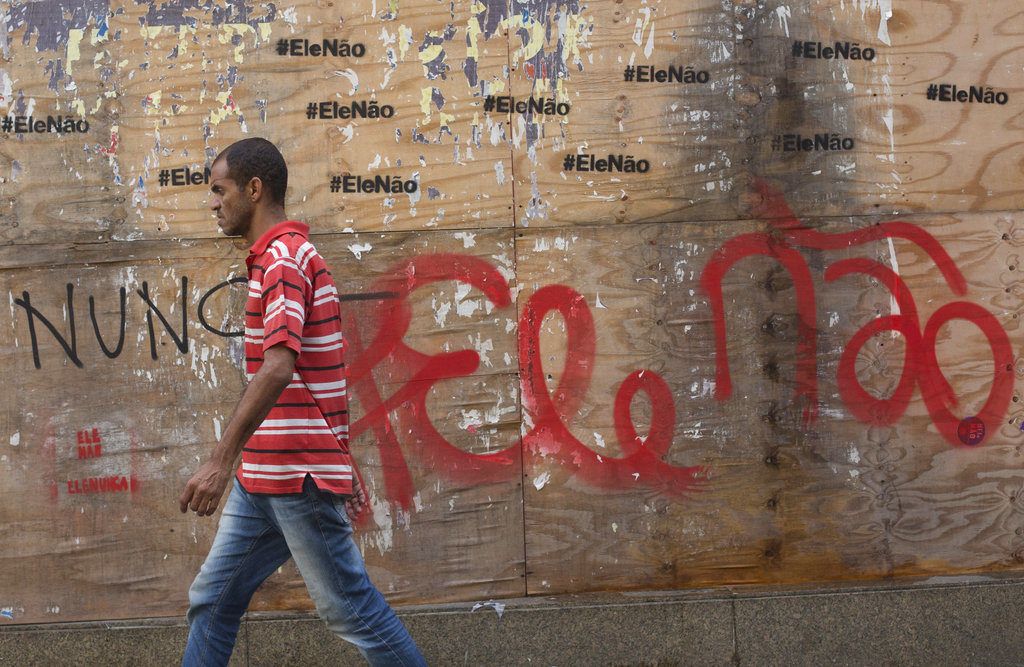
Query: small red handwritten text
[{"x": 108, "y": 484}]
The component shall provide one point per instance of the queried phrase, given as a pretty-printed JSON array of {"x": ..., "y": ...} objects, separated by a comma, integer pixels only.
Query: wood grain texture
[
  {"x": 172, "y": 90},
  {"x": 645, "y": 301},
  {"x": 911, "y": 154},
  {"x": 521, "y": 334},
  {"x": 834, "y": 498},
  {"x": 686, "y": 132},
  {"x": 121, "y": 553},
  {"x": 174, "y": 87}
]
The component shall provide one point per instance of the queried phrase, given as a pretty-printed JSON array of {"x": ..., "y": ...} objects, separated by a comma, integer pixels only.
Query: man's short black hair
[{"x": 257, "y": 157}]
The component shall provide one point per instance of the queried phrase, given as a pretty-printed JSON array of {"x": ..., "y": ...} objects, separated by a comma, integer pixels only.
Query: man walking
[{"x": 295, "y": 489}]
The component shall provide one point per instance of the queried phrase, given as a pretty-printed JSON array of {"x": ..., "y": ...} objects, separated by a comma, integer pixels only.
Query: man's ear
[{"x": 255, "y": 189}]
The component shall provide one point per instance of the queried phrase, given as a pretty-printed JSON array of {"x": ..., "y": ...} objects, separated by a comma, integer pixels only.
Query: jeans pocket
[
  {"x": 339, "y": 505},
  {"x": 328, "y": 499}
]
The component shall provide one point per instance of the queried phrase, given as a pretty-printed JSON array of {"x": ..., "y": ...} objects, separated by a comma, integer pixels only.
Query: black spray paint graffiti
[{"x": 69, "y": 341}]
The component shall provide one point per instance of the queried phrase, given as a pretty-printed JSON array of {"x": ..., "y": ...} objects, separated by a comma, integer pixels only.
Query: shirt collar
[{"x": 280, "y": 229}]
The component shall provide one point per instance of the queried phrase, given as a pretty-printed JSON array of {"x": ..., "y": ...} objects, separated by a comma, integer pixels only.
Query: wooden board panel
[
  {"x": 57, "y": 68},
  {"x": 616, "y": 523},
  {"x": 175, "y": 87},
  {"x": 441, "y": 505},
  {"x": 906, "y": 152},
  {"x": 76, "y": 552},
  {"x": 681, "y": 132},
  {"x": 927, "y": 508},
  {"x": 778, "y": 499}
]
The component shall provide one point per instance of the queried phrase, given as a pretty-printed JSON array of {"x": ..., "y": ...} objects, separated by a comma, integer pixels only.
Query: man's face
[{"x": 232, "y": 204}]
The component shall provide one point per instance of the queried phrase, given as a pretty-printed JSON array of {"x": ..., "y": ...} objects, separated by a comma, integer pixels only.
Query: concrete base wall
[{"x": 935, "y": 622}]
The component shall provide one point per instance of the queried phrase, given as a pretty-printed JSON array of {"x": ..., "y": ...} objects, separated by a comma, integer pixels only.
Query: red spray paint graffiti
[
  {"x": 920, "y": 366},
  {"x": 549, "y": 414},
  {"x": 642, "y": 463},
  {"x": 76, "y": 476}
]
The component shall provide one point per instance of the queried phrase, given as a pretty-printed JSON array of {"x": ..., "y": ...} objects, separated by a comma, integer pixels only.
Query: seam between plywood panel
[{"x": 519, "y": 365}]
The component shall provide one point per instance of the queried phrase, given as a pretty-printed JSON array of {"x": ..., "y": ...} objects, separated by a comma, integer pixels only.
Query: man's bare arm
[{"x": 203, "y": 492}]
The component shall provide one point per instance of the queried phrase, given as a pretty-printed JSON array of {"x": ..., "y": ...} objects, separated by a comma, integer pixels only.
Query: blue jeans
[{"x": 257, "y": 534}]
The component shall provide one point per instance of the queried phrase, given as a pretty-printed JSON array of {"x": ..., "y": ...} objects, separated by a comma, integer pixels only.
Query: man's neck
[{"x": 262, "y": 221}]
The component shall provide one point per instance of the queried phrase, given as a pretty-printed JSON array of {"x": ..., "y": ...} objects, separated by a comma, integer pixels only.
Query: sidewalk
[{"x": 938, "y": 621}]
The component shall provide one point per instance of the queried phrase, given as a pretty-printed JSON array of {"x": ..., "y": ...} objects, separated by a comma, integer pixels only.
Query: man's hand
[
  {"x": 357, "y": 501},
  {"x": 203, "y": 492}
]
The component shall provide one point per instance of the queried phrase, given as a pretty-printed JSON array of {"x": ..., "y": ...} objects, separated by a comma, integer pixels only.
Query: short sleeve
[{"x": 285, "y": 292}]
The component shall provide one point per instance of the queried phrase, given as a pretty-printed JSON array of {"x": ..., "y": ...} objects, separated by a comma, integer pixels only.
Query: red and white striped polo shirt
[{"x": 293, "y": 302}]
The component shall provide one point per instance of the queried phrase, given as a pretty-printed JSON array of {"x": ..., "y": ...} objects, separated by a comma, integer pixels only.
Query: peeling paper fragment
[
  {"x": 783, "y": 13},
  {"x": 358, "y": 249},
  {"x": 894, "y": 307},
  {"x": 353, "y": 78},
  {"x": 468, "y": 239},
  {"x": 498, "y": 607},
  {"x": 347, "y": 132}
]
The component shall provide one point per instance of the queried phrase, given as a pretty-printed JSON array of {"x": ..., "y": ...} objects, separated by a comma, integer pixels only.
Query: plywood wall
[{"x": 779, "y": 344}]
